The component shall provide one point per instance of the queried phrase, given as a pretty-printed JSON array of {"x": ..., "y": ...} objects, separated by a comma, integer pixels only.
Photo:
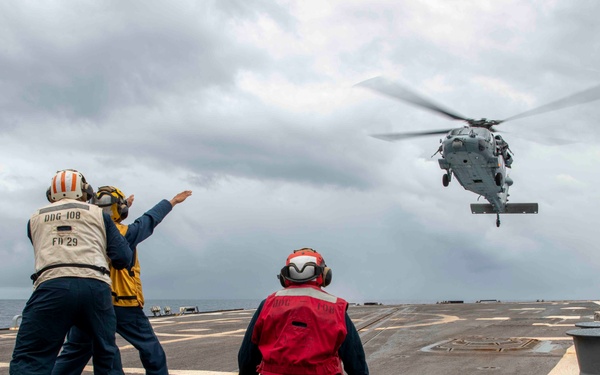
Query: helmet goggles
[
  {"x": 112, "y": 201},
  {"x": 305, "y": 265}
]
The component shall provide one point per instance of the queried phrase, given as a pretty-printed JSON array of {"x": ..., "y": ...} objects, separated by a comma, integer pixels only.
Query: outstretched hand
[
  {"x": 129, "y": 200},
  {"x": 180, "y": 197}
]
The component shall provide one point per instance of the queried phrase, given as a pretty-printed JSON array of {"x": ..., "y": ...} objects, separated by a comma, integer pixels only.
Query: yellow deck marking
[
  {"x": 496, "y": 318},
  {"x": 194, "y": 330},
  {"x": 132, "y": 370},
  {"x": 529, "y": 308},
  {"x": 237, "y": 332},
  {"x": 567, "y": 364},
  {"x": 445, "y": 319}
]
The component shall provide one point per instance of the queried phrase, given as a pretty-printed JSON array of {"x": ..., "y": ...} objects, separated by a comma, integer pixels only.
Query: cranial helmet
[
  {"x": 70, "y": 184},
  {"x": 113, "y": 202},
  {"x": 305, "y": 265}
]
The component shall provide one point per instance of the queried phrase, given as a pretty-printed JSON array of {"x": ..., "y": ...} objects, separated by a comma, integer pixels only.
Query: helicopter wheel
[
  {"x": 497, "y": 221},
  {"x": 446, "y": 179},
  {"x": 499, "y": 179}
]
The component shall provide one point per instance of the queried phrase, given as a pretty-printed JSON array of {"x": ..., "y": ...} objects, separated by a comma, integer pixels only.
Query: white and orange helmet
[
  {"x": 70, "y": 184},
  {"x": 305, "y": 265}
]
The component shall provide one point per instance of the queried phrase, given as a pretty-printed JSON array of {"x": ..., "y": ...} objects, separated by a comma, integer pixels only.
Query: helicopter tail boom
[{"x": 510, "y": 208}]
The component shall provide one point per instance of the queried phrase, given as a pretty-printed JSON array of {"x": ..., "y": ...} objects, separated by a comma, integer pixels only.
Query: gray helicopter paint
[{"x": 470, "y": 154}]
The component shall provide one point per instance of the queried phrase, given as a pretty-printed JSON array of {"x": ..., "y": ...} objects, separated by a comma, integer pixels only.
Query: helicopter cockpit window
[
  {"x": 460, "y": 131},
  {"x": 484, "y": 133}
]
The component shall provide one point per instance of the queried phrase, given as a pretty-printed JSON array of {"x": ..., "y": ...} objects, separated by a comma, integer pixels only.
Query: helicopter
[{"x": 474, "y": 154}]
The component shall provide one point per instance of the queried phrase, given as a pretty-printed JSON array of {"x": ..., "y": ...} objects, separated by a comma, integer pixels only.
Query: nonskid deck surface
[{"x": 456, "y": 338}]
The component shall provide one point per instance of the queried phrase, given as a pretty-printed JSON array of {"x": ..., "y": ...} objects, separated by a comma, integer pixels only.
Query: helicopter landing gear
[
  {"x": 446, "y": 179},
  {"x": 498, "y": 179},
  {"x": 498, "y": 220}
]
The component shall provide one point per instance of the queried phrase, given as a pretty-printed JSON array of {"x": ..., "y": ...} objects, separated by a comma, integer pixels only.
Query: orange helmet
[
  {"x": 70, "y": 184},
  {"x": 305, "y": 265}
]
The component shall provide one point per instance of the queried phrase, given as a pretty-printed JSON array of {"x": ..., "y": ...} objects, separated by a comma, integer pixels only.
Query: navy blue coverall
[{"x": 58, "y": 304}]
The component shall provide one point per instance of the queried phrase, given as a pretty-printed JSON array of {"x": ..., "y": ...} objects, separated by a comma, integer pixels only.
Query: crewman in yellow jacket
[{"x": 128, "y": 299}]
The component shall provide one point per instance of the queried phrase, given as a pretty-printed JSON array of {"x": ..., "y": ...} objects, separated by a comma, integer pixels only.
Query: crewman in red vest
[{"x": 302, "y": 329}]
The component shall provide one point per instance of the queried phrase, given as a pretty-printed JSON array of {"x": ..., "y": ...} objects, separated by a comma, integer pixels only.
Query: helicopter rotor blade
[
  {"x": 394, "y": 90},
  {"x": 542, "y": 139},
  {"x": 400, "y": 136},
  {"x": 585, "y": 96}
]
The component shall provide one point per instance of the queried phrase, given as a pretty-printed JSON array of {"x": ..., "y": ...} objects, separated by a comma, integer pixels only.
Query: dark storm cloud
[
  {"x": 106, "y": 57},
  {"x": 252, "y": 106}
]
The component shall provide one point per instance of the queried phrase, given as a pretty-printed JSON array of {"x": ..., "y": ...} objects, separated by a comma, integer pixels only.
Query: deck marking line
[
  {"x": 567, "y": 364},
  {"x": 445, "y": 319},
  {"x": 239, "y": 332},
  {"x": 132, "y": 370},
  {"x": 497, "y": 318},
  {"x": 529, "y": 308}
]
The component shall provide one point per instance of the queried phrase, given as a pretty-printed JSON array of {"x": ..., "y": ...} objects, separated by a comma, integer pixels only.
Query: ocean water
[
  {"x": 9, "y": 308},
  {"x": 203, "y": 305}
]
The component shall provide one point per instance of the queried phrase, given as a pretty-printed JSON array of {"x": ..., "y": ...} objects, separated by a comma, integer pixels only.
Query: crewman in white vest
[{"x": 73, "y": 243}]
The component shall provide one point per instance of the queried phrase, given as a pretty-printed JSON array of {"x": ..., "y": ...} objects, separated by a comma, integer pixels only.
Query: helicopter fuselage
[{"x": 473, "y": 157}]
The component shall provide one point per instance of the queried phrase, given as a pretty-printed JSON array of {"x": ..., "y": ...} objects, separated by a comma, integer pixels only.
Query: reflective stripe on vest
[{"x": 309, "y": 292}]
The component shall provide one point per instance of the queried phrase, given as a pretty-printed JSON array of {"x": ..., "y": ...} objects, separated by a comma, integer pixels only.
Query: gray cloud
[{"x": 252, "y": 106}]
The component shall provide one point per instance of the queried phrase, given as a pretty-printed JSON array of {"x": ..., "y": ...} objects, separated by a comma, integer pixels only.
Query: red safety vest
[{"x": 299, "y": 331}]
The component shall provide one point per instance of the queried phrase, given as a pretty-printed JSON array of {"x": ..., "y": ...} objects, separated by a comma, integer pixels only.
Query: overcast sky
[{"x": 253, "y": 106}]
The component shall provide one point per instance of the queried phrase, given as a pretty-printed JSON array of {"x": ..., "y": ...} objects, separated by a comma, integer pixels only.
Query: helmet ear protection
[
  {"x": 70, "y": 184},
  {"x": 304, "y": 265},
  {"x": 113, "y": 200}
]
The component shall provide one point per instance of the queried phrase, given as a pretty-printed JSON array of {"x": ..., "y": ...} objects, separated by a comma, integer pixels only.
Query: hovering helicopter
[{"x": 474, "y": 154}]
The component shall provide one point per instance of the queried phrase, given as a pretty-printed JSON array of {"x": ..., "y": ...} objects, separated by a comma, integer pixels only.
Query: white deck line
[{"x": 567, "y": 365}]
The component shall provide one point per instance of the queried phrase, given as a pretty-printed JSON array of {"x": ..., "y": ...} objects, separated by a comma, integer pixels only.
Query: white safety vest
[{"x": 69, "y": 240}]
